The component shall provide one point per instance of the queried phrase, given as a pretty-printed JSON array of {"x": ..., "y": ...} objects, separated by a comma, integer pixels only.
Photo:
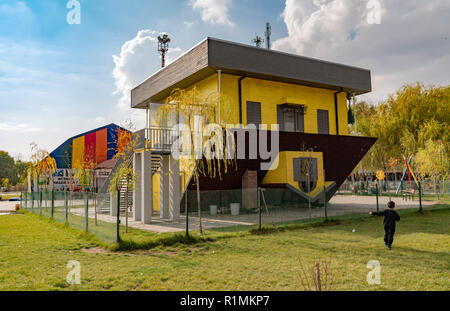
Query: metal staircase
[{"x": 159, "y": 143}]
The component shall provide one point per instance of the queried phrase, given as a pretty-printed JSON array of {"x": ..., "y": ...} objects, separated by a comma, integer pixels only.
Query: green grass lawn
[{"x": 34, "y": 254}]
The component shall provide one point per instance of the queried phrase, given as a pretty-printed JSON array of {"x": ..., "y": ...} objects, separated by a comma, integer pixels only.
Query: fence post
[
  {"x": 40, "y": 202},
  {"x": 259, "y": 207},
  {"x": 32, "y": 202},
  {"x": 66, "y": 206},
  {"x": 420, "y": 198},
  {"x": 52, "y": 206},
  {"x": 325, "y": 202},
  {"x": 118, "y": 217},
  {"x": 376, "y": 185},
  {"x": 186, "y": 206},
  {"x": 86, "y": 211}
]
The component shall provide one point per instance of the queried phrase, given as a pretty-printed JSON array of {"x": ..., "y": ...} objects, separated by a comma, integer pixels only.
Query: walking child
[{"x": 390, "y": 219}]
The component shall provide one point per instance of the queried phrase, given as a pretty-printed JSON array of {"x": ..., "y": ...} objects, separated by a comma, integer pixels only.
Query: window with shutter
[
  {"x": 291, "y": 118},
  {"x": 323, "y": 124},
  {"x": 300, "y": 119},
  {"x": 280, "y": 118},
  {"x": 253, "y": 113}
]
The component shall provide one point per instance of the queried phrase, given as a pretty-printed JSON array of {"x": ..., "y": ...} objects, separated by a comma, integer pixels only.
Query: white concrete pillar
[
  {"x": 137, "y": 193},
  {"x": 174, "y": 206},
  {"x": 112, "y": 204},
  {"x": 164, "y": 187},
  {"x": 146, "y": 187}
]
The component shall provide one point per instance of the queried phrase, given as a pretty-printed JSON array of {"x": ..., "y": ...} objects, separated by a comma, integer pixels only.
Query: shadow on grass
[
  {"x": 169, "y": 240},
  {"x": 267, "y": 229}
]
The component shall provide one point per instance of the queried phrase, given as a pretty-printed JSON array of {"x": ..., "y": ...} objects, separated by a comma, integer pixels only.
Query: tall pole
[
  {"x": 118, "y": 217},
  {"x": 259, "y": 207},
  {"x": 377, "y": 196},
  {"x": 325, "y": 202},
  {"x": 186, "y": 207},
  {"x": 268, "y": 33},
  {"x": 66, "y": 206},
  {"x": 354, "y": 112},
  {"x": 420, "y": 198},
  {"x": 147, "y": 123},
  {"x": 86, "y": 211}
]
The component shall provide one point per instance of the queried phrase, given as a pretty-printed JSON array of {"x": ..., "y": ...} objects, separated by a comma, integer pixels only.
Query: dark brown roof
[{"x": 212, "y": 54}]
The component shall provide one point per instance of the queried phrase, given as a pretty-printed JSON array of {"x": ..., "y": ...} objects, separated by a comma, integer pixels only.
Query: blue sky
[{"x": 57, "y": 80}]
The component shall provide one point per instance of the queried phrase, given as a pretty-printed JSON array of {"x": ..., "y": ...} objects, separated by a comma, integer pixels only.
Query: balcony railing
[{"x": 159, "y": 138}]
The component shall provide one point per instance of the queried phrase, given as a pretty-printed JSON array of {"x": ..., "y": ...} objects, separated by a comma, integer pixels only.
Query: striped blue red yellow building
[{"x": 93, "y": 147}]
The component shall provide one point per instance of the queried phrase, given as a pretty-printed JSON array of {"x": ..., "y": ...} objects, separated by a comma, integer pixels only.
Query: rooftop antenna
[
  {"x": 268, "y": 33},
  {"x": 257, "y": 41},
  {"x": 163, "y": 47}
]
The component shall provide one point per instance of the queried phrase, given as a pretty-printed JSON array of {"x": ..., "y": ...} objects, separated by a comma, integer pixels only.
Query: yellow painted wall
[
  {"x": 270, "y": 94},
  {"x": 156, "y": 188},
  {"x": 285, "y": 171},
  {"x": 78, "y": 153}
]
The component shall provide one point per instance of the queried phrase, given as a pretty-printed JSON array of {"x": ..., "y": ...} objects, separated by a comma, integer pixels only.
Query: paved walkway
[
  {"x": 6, "y": 207},
  {"x": 338, "y": 205}
]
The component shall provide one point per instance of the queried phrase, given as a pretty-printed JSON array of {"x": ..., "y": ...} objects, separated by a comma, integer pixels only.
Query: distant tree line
[{"x": 12, "y": 172}]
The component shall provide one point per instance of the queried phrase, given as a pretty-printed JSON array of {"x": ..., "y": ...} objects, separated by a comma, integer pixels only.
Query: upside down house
[{"x": 306, "y": 98}]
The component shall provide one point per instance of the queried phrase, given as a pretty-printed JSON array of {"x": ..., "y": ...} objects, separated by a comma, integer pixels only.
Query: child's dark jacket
[{"x": 390, "y": 217}]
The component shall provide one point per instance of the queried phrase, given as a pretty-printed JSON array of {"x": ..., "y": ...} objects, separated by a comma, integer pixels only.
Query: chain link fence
[
  {"x": 85, "y": 211},
  {"x": 428, "y": 186},
  {"x": 238, "y": 209},
  {"x": 224, "y": 210}
]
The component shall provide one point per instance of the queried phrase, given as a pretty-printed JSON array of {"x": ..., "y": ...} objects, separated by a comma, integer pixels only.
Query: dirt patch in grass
[
  {"x": 168, "y": 252},
  {"x": 94, "y": 250}
]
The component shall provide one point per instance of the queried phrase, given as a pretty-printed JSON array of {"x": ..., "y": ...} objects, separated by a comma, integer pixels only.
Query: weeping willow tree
[
  {"x": 207, "y": 145},
  {"x": 41, "y": 165},
  {"x": 124, "y": 174}
]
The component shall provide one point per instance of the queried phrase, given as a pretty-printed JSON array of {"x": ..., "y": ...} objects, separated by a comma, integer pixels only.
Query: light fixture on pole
[{"x": 163, "y": 47}]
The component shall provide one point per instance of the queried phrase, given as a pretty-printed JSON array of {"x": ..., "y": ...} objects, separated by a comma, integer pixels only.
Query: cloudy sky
[{"x": 59, "y": 79}]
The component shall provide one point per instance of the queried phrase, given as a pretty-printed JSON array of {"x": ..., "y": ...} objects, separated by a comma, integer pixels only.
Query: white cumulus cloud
[
  {"x": 138, "y": 59},
  {"x": 214, "y": 11},
  {"x": 410, "y": 44},
  {"x": 19, "y": 127}
]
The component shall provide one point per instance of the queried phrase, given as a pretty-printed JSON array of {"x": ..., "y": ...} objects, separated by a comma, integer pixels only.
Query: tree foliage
[
  {"x": 7, "y": 169},
  {"x": 14, "y": 171},
  {"x": 42, "y": 165},
  {"x": 414, "y": 121},
  {"x": 126, "y": 146}
]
